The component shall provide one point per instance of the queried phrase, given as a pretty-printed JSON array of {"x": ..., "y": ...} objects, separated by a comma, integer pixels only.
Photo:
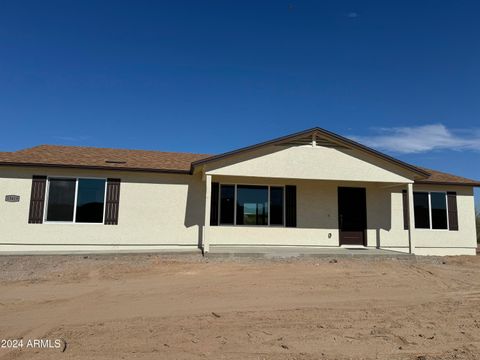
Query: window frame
[
  {"x": 429, "y": 193},
  {"x": 284, "y": 220},
  {"x": 73, "y": 222},
  {"x": 219, "y": 206},
  {"x": 235, "y": 205}
]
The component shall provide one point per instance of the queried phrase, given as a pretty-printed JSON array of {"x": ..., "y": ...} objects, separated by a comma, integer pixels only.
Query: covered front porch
[{"x": 245, "y": 215}]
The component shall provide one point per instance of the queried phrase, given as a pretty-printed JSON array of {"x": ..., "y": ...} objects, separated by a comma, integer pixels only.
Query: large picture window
[
  {"x": 251, "y": 205},
  {"x": 430, "y": 210},
  {"x": 75, "y": 200}
]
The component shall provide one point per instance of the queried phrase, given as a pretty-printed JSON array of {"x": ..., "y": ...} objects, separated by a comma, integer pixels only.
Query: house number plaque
[{"x": 12, "y": 198}]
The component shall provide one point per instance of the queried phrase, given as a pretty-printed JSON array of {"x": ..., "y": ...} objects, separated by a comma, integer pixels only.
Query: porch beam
[
  {"x": 411, "y": 219},
  {"x": 392, "y": 185},
  {"x": 206, "y": 226}
]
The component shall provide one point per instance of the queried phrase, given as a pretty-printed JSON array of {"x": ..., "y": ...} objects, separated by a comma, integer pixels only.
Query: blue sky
[{"x": 211, "y": 76}]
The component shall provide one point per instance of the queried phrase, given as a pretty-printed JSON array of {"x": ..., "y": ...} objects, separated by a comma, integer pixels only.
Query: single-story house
[{"x": 309, "y": 189}]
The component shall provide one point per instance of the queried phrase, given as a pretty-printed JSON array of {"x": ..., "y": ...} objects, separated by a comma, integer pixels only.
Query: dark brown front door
[{"x": 352, "y": 215}]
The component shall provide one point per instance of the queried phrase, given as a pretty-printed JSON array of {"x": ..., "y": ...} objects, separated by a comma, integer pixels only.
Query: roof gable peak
[{"x": 331, "y": 139}]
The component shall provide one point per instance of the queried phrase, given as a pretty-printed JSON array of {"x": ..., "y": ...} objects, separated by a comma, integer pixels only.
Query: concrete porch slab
[{"x": 293, "y": 251}]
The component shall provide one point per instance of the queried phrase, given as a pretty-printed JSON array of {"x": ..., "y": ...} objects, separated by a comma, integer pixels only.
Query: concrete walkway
[{"x": 292, "y": 251}]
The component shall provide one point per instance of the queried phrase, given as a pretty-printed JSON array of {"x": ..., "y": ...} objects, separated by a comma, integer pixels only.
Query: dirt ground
[{"x": 187, "y": 307}]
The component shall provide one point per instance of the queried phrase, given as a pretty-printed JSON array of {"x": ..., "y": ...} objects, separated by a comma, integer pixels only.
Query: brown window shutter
[
  {"x": 214, "y": 204},
  {"x": 405, "y": 209},
  {"x": 452, "y": 210},
  {"x": 37, "y": 199},
  {"x": 290, "y": 206},
  {"x": 112, "y": 202}
]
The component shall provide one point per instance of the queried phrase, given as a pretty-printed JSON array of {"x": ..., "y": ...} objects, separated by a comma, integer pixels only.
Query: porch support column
[
  {"x": 206, "y": 226},
  {"x": 411, "y": 219}
]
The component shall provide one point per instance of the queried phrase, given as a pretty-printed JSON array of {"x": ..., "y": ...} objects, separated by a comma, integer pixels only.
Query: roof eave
[
  {"x": 452, "y": 183},
  {"x": 93, "y": 167}
]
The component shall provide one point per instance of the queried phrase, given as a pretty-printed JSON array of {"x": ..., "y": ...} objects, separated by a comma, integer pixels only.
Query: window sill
[
  {"x": 441, "y": 230},
  {"x": 249, "y": 226},
  {"x": 70, "y": 223}
]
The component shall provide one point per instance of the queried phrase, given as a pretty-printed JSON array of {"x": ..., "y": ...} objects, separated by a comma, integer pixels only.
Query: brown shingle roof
[
  {"x": 143, "y": 160},
  {"x": 104, "y": 158},
  {"x": 438, "y": 177}
]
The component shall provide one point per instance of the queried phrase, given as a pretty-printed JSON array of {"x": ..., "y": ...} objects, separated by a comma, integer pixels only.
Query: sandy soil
[{"x": 186, "y": 307}]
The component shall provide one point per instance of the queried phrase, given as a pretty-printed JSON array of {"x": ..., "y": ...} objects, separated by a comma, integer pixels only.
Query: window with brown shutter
[
  {"x": 112, "y": 202},
  {"x": 290, "y": 206},
  {"x": 452, "y": 210},
  {"x": 37, "y": 199}
]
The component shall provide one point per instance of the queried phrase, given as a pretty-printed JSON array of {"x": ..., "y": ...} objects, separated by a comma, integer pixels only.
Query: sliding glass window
[
  {"x": 430, "y": 210},
  {"x": 75, "y": 200}
]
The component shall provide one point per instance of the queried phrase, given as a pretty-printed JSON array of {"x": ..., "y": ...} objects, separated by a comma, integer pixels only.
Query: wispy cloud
[{"x": 418, "y": 139}]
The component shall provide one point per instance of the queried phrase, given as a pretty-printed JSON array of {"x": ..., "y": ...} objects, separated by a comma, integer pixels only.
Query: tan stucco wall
[
  {"x": 442, "y": 242},
  {"x": 157, "y": 211},
  {"x": 307, "y": 162}
]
